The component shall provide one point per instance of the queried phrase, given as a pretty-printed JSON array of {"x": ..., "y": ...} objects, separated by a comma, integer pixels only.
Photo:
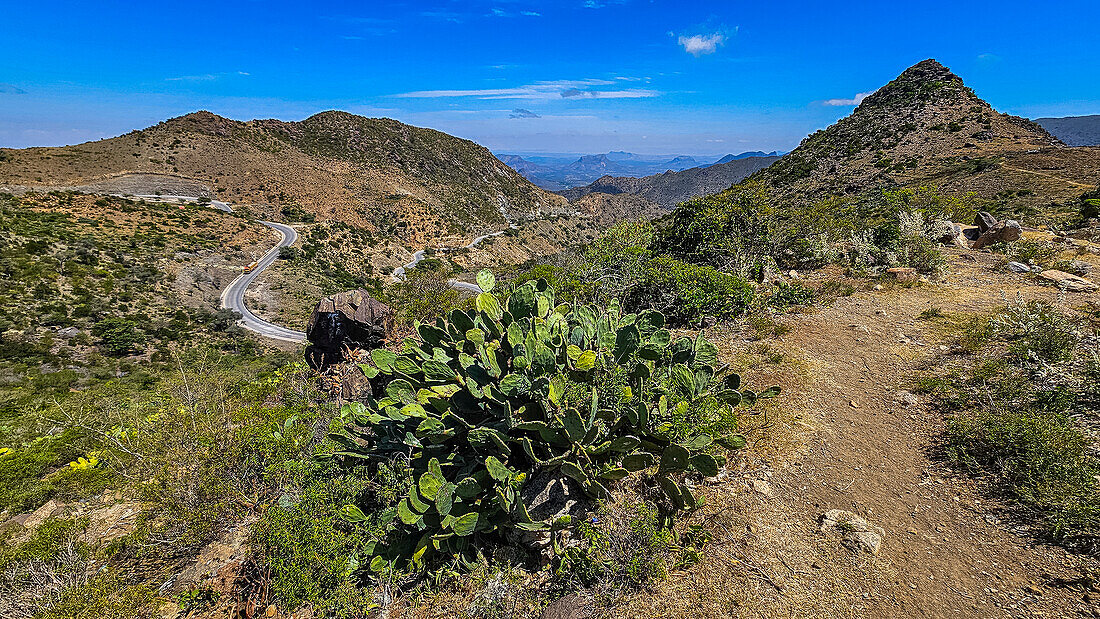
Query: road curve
[
  {"x": 233, "y": 295},
  {"x": 399, "y": 273}
]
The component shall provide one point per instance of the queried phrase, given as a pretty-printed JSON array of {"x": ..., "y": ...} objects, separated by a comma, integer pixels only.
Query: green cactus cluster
[{"x": 486, "y": 397}]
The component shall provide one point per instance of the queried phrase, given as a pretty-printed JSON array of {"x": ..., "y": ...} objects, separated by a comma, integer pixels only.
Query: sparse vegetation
[{"x": 1018, "y": 409}]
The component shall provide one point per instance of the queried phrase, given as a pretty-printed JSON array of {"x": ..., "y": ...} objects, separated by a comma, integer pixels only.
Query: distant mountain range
[
  {"x": 668, "y": 189},
  {"x": 1074, "y": 130},
  {"x": 559, "y": 173}
]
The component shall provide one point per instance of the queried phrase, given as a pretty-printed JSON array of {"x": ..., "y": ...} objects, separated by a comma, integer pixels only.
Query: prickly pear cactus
[{"x": 484, "y": 398}]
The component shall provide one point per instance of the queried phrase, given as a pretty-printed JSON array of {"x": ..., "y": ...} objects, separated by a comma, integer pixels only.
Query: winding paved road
[
  {"x": 233, "y": 295},
  {"x": 399, "y": 272}
]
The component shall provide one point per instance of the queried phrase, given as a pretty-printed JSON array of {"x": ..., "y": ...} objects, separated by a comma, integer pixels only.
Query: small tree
[{"x": 118, "y": 336}]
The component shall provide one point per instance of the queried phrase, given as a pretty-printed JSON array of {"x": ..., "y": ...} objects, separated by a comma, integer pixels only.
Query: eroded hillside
[{"x": 418, "y": 185}]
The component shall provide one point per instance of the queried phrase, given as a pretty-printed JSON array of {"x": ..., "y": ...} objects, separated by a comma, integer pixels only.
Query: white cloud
[
  {"x": 206, "y": 77},
  {"x": 856, "y": 100},
  {"x": 592, "y": 88},
  {"x": 702, "y": 44}
]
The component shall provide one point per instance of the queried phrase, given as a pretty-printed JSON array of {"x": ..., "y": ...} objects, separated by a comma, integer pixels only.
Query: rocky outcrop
[
  {"x": 985, "y": 232},
  {"x": 346, "y": 321}
]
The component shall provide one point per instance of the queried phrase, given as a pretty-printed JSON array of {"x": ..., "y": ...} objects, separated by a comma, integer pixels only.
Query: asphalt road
[
  {"x": 233, "y": 295},
  {"x": 399, "y": 272}
]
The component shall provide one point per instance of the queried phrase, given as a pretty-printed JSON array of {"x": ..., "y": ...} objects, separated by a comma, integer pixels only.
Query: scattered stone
[
  {"x": 762, "y": 487},
  {"x": 351, "y": 320},
  {"x": 903, "y": 274},
  {"x": 1001, "y": 232},
  {"x": 68, "y": 332},
  {"x": 908, "y": 398},
  {"x": 878, "y": 286},
  {"x": 860, "y": 328},
  {"x": 793, "y": 274},
  {"x": 853, "y": 404},
  {"x": 1018, "y": 267},
  {"x": 993, "y": 520},
  {"x": 1070, "y": 282},
  {"x": 857, "y": 534}
]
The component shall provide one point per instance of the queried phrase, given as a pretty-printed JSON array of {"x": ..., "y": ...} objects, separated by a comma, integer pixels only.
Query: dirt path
[
  {"x": 1048, "y": 175},
  {"x": 864, "y": 449}
]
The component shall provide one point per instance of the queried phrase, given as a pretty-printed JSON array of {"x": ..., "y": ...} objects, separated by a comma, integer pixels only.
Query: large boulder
[
  {"x": 346, "y": 320},
  {"x": 1002, "y": 231},
  {"x": 984, "y": 221}
]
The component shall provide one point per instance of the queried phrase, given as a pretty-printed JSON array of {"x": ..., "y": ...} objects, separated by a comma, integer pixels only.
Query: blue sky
[{"x": 656, "y": 77}]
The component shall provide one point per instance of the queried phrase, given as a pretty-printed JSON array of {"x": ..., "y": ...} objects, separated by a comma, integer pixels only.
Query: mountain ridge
[{"x": 414, "y": 183}]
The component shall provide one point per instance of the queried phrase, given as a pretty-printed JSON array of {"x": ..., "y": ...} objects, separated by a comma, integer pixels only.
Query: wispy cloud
[
  {"x": 499, "y": 12},
  {"x": 543, "y": 91},
  {"x": 522, "y": 113},
  {"x": 11, "y": 89},
  {"x": 988, "y": 57},
  {"x": 856, "y": 100},
  {"x": 702, "y": 44},
  {"x": 207, "y": 77},
  {"x": 599, "y": 4}
]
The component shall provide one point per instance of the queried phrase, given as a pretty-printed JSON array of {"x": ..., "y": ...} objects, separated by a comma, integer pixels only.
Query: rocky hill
[
  {"x": 379, "y": 174},
  {"x": 1074, "y": 130},
  {"x": 926, "y": 126},
  {"x": 668, "y": 189}
]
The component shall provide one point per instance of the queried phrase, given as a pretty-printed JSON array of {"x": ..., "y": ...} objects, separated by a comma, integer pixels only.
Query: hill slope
[
  {"x": 375, "y": 173},
  {"x": 1074, "y": 130},
  {"x": 668, "y": 189},
  {"x": 926, "y": 126}
]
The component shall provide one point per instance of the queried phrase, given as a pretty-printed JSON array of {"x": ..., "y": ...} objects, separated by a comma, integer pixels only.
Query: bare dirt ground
[{"x": 858, "y": 446}]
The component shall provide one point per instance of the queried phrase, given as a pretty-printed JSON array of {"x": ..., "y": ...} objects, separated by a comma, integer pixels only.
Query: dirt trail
[
  {"x": 863, "y": 449},
  {"x": 1048, "y": 175}
]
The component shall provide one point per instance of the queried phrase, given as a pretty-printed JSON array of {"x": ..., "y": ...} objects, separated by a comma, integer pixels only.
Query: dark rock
[
  {"x": 1002, "y": 231},
  {"x": 984, "y": 221},
  {"x": 572, "y": 606},
  {"x": 346, "y": 320}
]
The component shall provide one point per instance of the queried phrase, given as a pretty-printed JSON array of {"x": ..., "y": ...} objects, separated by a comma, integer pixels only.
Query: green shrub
[
  {"x": 483, "y": 400},
  {"x": 118, "y": 336},
  {"x": 1090, "y": 205},
  {"x": 793, "y": 293},
  {"x": 686, "y": 293},
  {"x": 313, "y": 555},
  {"x": 1012, "y": 418},
  {"x": 1040, "y": 456}
]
